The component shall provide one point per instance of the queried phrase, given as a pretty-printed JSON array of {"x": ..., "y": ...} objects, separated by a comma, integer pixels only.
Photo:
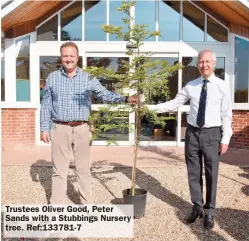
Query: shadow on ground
[
  {"x": 228, "y": 219},
  {"x": 41, "y": 171},
  {"x": 245, "y": 174},
  {"x": 234, "y": 222},
  {"x": 172, "y": 156}
]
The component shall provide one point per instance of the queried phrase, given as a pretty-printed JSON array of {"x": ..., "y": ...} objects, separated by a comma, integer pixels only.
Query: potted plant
[
  {"x": 158, "y": 131},
  {"x": 145, "y": 78}
]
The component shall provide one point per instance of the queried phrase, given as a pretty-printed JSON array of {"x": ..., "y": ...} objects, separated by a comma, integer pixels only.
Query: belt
[
  {"x": 203, "y": 128},
  {"x": 71, "y": 123}
]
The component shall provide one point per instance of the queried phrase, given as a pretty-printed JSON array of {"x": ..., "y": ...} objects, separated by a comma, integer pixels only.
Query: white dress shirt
[{"x": 218, "y": 104}]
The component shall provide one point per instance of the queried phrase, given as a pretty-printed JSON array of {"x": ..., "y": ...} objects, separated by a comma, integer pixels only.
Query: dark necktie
[{"x": 202, "y": 105}]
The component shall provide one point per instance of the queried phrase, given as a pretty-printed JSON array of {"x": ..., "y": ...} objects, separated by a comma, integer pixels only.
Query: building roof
[
  {"x": 22, "y": 11},
  {"x": 18, "y": 12},
  {"x": 236, "y": 12}
]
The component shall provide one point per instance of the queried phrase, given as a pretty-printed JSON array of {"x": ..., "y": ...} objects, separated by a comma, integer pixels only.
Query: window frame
[
  {"x": 10, "y": 78},
  {"x": 194, "y": 53},
  {"x": 15, "y": 43},
  {"x": 205, "y": 24},
  {"x": 132, "y": 11},
  {"x": 236, "y": 106},
  {"x": 118, "y": 49},
  {"x": 82, "y": 21},
  {"x": 95, "y": 107}
]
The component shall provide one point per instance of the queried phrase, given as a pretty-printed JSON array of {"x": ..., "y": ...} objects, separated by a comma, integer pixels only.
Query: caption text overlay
[{"x": 68, "y": 221}]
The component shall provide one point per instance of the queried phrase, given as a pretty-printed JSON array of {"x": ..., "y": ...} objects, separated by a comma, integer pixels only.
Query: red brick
[
  {"x": 18, "y": 126},
  {"x": 241, "y": 129}
]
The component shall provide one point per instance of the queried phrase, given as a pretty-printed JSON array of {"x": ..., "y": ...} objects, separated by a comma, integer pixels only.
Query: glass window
[
  {"x": 71, "y": 22},
  {"x": 220, "y": 68},
  {"x": 184, "y": 125},
  {"x": 172, "y": 82},
  {"x": 48, "y": 64},
  {"x": 95, "y": 17},
  {"x": 48, "y": 31},
  {"x": 145, "y": 13},
  {"x": 110, "y": 63},
  {"x": 216, "y": 32},
  {"x": 191, "y": 72},
  {"x": 241, "y": 70},
  {"x": 154, "y": 132},
  {"x": 193, "y": 23},
  {"x": 2, "y": 71},
  {"x": 121, "y": 133},
  {"x": 116, "y": 19},
  {"x": 22, "y": 69},
  {"x": 169, "y": 20}
]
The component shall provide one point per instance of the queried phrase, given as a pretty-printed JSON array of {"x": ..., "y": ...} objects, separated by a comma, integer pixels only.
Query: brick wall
[
  {"x": 240, "y": 138},
  {"x": 18, "y": 127}
]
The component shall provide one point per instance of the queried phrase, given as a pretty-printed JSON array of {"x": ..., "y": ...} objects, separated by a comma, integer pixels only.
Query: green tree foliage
[{"x": 144, "y": 77}]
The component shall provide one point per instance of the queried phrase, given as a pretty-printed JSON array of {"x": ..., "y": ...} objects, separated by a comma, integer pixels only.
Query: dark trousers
[{"x": 203, "y": 144}]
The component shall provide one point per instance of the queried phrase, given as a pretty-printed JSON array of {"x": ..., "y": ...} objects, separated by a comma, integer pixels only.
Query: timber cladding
[{"x": 240, "y": 30}]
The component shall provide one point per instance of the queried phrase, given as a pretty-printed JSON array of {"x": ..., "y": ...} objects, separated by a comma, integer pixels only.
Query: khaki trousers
[{"x": 66, "y": 140}]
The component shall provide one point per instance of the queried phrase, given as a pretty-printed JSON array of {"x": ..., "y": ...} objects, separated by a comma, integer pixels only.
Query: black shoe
[
  {"x": 208, "y": 221},
  {"x": 193, "y": 216}
]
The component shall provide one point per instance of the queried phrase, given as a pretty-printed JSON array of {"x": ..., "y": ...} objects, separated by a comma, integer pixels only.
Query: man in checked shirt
[{"x": 67, "y": 103}]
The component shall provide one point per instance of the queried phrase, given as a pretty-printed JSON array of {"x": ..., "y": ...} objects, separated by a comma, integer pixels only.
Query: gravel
[{"x": 168, "y": 199}]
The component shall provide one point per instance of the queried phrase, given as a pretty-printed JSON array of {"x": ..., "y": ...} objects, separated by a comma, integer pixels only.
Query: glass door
[
  {"x": 110, "y": 61},
  {"x": 163, "y": 135}
]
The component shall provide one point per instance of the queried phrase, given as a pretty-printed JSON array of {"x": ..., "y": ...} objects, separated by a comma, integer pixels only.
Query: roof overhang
[
  {"x": 25, "y": 12},
  {"x": 20, "y": 12},
  {"x": 11, "y": 7},
  {"x": 236, "y": 12},
  {"x": 245, "y": 2}
]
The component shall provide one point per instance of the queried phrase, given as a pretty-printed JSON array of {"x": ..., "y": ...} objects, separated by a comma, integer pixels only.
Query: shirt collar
[
  {"x": 64, "y": 72},
  {"x": 210, "y": 78}
]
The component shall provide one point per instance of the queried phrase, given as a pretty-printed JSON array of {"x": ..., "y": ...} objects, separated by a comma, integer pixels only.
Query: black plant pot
[{"x": 138, "y": 200}]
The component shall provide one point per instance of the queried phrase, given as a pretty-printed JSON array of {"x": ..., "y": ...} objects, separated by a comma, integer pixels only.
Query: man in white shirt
[{"x": 208, "y": 133}]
